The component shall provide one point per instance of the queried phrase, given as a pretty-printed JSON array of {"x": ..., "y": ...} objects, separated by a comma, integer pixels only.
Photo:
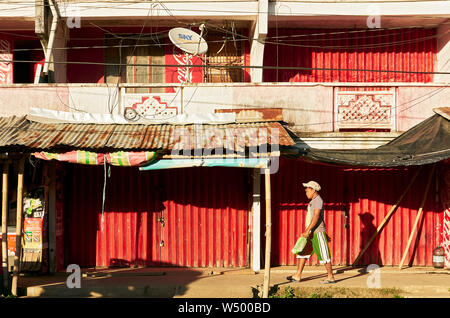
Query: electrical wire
[
  {"x": 388, "y": 44},
  {"x": 236, "y": 67},
  {"x": 347, "y": 31},
  {"x": 124, "y": 4}
]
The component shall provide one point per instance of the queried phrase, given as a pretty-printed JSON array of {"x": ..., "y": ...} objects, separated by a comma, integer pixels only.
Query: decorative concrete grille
[
  {"x": 149, "y": 106},
  {"x": 365, "y": 110}
]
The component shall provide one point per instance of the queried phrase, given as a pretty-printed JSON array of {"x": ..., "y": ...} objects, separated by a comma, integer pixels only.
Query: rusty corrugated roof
[
  {"x": 443, "y": 111},
  {"x": 21, "y": 134}
]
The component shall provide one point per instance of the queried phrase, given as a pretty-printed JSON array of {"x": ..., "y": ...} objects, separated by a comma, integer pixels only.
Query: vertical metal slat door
[{"x": 195, "y": 217}]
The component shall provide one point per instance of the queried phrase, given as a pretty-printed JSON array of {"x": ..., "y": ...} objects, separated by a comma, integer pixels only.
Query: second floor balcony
[{"x": 326, "y": 115}]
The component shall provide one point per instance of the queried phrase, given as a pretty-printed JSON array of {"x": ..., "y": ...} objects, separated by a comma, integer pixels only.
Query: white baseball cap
[{"x": 313, "y": 185}]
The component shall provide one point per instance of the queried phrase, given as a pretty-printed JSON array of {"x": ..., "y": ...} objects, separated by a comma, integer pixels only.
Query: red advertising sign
[
  {"x": 182, "y": 73},
  {"x": 11, "y": 244},
  {"x": 32, "y": 228}
]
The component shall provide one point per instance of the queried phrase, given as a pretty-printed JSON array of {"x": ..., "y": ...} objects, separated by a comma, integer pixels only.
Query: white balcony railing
[{"x": 306, "y": 107}]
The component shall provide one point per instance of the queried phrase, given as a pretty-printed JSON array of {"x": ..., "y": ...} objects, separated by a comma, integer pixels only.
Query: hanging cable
[{"x": 105, "y": 164}]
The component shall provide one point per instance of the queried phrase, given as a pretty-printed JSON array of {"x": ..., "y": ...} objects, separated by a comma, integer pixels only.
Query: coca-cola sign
[
  {"x": 182, "y": 73},
  {"x": 6, "y": 64}
]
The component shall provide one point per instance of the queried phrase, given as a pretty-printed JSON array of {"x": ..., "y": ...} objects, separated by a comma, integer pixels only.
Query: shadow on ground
[
  {"x": 161, "y": 282},
  {"x": 257, "y": 292}
]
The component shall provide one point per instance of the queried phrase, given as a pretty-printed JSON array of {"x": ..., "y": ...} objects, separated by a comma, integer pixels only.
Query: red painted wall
[
  {"x": 85, "y": 73},
  {"x": 205, "y": 213},
  {"x": 356, "y": 202},
  {"x": 403, "y": 49}
]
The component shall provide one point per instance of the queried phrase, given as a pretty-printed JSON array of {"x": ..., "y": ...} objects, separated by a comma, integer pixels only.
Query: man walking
[{"x": 315, "y": 234}]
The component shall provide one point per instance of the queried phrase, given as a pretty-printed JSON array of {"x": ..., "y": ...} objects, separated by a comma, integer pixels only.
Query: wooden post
[
  {"x": 268, "y": 235},
  {"x": 392, "y": 210},
  {"x": 5, "y": 227},
  {"x": 419, "y": 213},
  {"x": 17, "y": 256},
  {"x": 52, "y": 219}
]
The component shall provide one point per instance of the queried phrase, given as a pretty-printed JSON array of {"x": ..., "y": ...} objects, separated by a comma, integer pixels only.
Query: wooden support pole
[
  {"x": 391, "y": 211},
  {"x": 5, "y": 227},
  {"x": 17, "y": 256},
  {"x": 268, "y": 234},
  {"x": 419, "y": 214}
]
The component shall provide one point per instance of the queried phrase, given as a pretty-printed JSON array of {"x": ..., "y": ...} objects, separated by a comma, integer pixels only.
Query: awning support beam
[
  {"x": 268, "y": 234},
  {"x": 419, "y": 214},
  {"x": 5, "y": 227},
  {"x": 392, "y": 210}
]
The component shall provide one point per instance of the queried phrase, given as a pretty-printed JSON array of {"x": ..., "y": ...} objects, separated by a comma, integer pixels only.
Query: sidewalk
[{"x": 228, "y": 282}]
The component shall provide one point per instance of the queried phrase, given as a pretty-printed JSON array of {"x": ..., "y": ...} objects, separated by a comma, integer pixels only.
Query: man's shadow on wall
[{"x": 372, "y": 255}]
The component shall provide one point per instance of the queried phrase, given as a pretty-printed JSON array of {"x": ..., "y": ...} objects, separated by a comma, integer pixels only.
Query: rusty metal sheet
[
  {"x": 31, "y": 136},
  {"x": 255, "y": 114}
]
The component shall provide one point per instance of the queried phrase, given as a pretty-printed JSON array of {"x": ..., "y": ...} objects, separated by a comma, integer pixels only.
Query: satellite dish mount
[{"x": 189, "y": 42}]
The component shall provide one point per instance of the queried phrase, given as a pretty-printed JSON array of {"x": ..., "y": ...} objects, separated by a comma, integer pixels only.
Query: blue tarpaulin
[{"x": 220, "y": 162}]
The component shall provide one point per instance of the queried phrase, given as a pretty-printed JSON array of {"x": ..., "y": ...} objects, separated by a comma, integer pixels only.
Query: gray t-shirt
[{"x": 314, "y": 204}]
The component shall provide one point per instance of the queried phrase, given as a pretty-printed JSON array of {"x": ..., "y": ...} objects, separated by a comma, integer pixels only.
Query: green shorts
[{"x": 318, "y": 245}]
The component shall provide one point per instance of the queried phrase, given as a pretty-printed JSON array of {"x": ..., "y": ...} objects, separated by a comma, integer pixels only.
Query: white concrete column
[
  {"x": 443, "y": 53},
  {"x": 60, "y": 54},
  {"x": 259, "y": 36},
  {"x": 55, "y": 46},
  {"x": 256, "y": 208}
]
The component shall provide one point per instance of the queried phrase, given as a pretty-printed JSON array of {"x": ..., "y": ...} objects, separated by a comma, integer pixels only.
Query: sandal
[
  {"x": 327, "y": 281},
  {"x": 292, "y": 279}
]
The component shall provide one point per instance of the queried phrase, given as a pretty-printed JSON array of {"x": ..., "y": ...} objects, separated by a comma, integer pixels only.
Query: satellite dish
[{"x": 188, "y": 41}]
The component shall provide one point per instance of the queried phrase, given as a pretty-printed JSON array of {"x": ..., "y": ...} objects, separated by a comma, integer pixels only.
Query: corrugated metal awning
[{"x": 22, "y": 134}]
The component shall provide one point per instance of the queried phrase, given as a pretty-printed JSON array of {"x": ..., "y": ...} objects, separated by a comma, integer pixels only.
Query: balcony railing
[{"x": 306, "y": 107}]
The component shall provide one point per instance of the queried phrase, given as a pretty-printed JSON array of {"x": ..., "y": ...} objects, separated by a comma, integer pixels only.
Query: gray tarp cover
[{"x": 425, "y": 143}]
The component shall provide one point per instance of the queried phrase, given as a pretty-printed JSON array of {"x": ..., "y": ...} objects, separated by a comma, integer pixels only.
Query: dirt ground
[{"x": 389, "y": 282}]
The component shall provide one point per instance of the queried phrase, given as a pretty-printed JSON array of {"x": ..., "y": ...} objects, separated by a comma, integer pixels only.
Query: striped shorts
[{"x": 318, "y": 245}]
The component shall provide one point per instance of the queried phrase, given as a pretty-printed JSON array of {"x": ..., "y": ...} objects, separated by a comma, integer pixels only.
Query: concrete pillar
[
  {"x": 53, "y": 33},
  {"x": 443, "y": 53},
  {"x": 60, "y": 54},
  {"x": 256, "y": 209},
  {"x": 260, "y": 29}
]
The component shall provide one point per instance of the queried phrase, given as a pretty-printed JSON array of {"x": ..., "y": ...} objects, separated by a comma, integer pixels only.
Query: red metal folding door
[
  {"x": 181, "y": 217},
  {"x": 356, "y": 202}
]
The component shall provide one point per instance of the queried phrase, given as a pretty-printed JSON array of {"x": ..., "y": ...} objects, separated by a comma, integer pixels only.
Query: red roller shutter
[
  {"x": 204, "y": 212},
  {"x": 411, "y": 49}
]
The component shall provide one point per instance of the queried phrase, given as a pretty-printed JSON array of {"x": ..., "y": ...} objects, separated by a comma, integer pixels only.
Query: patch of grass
[
  {"x": 320, "y": 295},
  {"x": 334, "y": 292},
  {"x": 287, "y": 292}
]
